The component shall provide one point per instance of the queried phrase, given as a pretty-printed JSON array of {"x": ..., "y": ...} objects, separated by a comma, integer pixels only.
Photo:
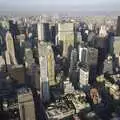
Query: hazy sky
[{"x": 61, "y": 5}]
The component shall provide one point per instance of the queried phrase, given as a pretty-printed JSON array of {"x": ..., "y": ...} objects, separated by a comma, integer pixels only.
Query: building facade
[{"x": 66, "y": 35}]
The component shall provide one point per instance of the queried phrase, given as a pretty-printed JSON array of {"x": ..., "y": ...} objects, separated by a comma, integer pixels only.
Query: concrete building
[
  {"x": 89, "y": 56},
  {"x": 92, "y": 56},
  {"x": 91, "y": 38},
  {"x": 19, "y": 48},
  {"x": 118, "y": 26},
  {"x": 103, "y": 31},
  {"x": 116, "y": 45},
  {"x": 66, "y": 35},
  {"x": 10, "y": 52},
  {"x": 73, "y": 60},
  {"x": 28, "y": 58},
  {"x": 108, "y": 65},
  {"x": 68, "y": 88},
  {"x": 2, "y": 61},
  {"x": 17, "y": 73},
  {"x": 47, "y": 70},
  {"x": 43, "y": 31},
  {"x": 116, "y": 52},
  {"x": 51, "y": 66},
  {"x": 44, "y": 85},
  {"x": 45, "y": 49},
  {"x": 26, "y": 105},
  {"x": 83, "y": 53},
  {"x": 79, "y": 37},
  {"x": 84, "y": 75}
]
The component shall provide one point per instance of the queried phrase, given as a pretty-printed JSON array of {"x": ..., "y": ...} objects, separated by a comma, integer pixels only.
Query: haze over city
[{"x": 59, "y": 5}]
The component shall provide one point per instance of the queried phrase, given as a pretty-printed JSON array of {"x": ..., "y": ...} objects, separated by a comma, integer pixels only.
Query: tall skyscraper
[
  {"x": 79, "y": 37},
  {"x": 89, "y": 56},
  {"x": 73, "y": 60},
  {"x": 19, "y": 48},
  {"x": 26, "y": 105},
  {"x": 116, "y": 52},
  {"x": 51, "y": 66},
  {"x": 66, "y": 35},
  {"x": 108, "y": 65},
  {"x": 47, "y": 70},
  {"x": 45, "y": 49},
  {"x": 92, "y": 61},
  {"x": 83, "y": 51},
  {"x": 10, "y": 52},
  {"x": 53, "y": 33},
  {"x": 29, "y": 60},
  {"x": 43, "y": 31},
  {"x": 92, "y": 56},
  {"x": 118, "y": 26},
  {"x": 116, "y": 45},
  {"x": 44, "y": 85}
]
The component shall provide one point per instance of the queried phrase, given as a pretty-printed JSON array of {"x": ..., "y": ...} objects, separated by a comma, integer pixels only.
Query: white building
[
  {"x": 83, "y": 53},
  {"x": 84, "y": 77},
  {"x": 40, "y": 30},
  {"x": 68, "y": 88},
  {"x": 103, "y": 31}
]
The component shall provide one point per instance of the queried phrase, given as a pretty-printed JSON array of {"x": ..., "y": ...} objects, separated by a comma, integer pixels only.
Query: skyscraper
[
  {"x": 92, "y": 56},
  {"x": 29, "y": 60},
  {"x": 73, "y": 60},
  {"x": 44, "y": 86},
  {"x": 83, "y": 54},
  {"x": 108, "y": 65},
  {"x": 26, "y": 105},
  {"x": 92, "y": 61},
  {"x": 118, "y": 26},
  {"x": 45, "y": 49},
  {"x": 10, "y": 52},
  {"x": 47, "y": 70},
  {"x": 116, "y": 45},
  {"x": 51, "y": 66},
  {"x": 103, "y": 31},
  {"x": 89, "y": 56},
  {"x": 66, "y": 34},
  {"x": 116, "y": 52},
  {"x": 43, "y": 31},
  {"x": 2, "y": 61},
  {"x": 84, "y": 75}
]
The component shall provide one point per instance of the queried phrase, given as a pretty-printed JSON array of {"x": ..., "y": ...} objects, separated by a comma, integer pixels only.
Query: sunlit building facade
[{"x": 66, "y": 35}]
